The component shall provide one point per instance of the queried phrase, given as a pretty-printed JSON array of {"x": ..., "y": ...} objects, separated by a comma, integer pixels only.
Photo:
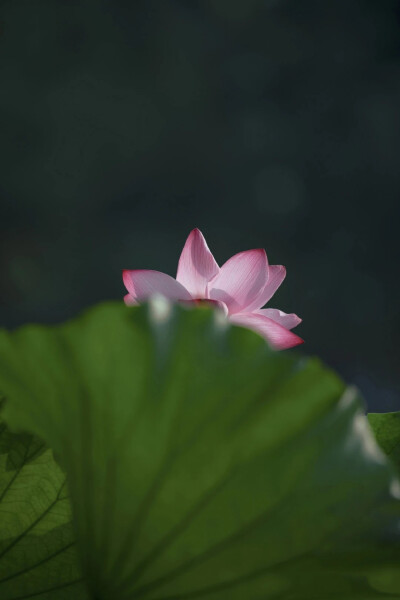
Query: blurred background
[{"x": 265, "y": 123}]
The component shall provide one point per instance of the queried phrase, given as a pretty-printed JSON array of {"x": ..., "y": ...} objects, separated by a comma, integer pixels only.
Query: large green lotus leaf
[
  {"x": 386, "y": 427},
  {"x": 37, "y": 550},
  {"x": 201, "y": 463}
]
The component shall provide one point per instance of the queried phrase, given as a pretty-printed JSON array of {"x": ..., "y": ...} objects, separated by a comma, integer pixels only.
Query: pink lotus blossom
[{"x": 241, "y": 287}]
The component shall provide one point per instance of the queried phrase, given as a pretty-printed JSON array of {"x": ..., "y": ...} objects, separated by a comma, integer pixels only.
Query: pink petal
[
  {"x": 130, "y": 300},
  {"x": 276, "y": 274},
  {"x": 196, "y": 265},
  {"x": 142, "y": 284},
  {"x": 286, "y": 320},
  {"x": 276, "y": 335},
  {"x": 240, "y": 280}
]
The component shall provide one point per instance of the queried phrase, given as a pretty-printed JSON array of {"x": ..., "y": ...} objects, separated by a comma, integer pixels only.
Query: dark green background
[{"x": 124, "y": 124}]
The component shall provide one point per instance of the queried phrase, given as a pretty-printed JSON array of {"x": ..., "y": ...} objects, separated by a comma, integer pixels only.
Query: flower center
[{"x": 202, "y": 301}]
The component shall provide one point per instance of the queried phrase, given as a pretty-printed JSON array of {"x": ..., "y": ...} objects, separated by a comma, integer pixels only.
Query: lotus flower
[{"x": 240, "y": 288}]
